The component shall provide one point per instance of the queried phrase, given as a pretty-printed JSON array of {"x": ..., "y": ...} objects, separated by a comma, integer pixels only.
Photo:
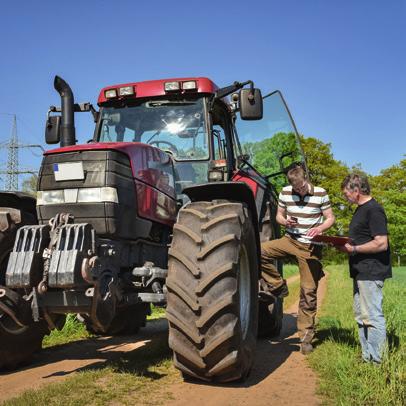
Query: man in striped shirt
[{"x": 305, "y": 211}]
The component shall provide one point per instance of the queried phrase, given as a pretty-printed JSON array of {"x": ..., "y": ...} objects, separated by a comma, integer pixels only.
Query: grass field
[{"x": 344, "y": 379}]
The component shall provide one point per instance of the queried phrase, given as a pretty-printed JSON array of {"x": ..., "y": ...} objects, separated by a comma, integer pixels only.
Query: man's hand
[
  {"x": 291, "y": 223},
  {"x": 378, "y": 244},
  {"x": 314, "y": 231},
  {"x": 347, "y": 248}
]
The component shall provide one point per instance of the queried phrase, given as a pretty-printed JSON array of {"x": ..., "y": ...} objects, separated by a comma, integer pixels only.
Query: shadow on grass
[
  {"x": 139, "y": 361},
  {"x": 336, "y": 334},
  {"x": 393, "y": 341},
  {"x": 102, "y": 352},
  {"x": 349, "y": 337}
]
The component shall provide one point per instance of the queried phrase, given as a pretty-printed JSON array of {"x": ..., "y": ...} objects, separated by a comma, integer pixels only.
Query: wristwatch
[{"x": 354, "y": 250}]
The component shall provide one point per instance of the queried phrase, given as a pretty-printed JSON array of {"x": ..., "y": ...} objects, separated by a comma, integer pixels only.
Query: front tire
[
  {"x": 212, "y": 291},
  {"x": 17, "y": 344}
]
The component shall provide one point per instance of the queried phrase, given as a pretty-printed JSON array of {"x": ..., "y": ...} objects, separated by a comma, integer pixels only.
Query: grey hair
[{"x": 357, "y": 180}]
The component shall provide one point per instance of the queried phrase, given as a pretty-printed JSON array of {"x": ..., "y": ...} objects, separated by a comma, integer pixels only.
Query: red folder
[{"x": 329, "y": 239}]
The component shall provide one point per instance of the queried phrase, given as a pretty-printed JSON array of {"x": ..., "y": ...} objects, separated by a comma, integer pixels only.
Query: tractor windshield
[
  {"x": 271, "y": 144},
  {"x": 175, "y": 126}
]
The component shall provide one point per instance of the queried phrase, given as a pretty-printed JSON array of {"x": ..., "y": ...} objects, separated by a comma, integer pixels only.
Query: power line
[{"x": 13, "y": 169}]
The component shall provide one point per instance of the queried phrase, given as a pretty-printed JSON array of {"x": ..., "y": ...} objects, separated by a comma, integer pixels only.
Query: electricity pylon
[{"x": 13, "y": 169}]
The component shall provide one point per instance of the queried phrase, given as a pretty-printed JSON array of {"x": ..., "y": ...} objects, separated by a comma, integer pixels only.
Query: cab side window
[
  {"x": 219, "y": 142},
  {"x": 220, "y": 131}
]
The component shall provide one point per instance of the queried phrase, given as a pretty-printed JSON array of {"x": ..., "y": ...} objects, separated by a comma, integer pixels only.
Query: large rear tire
[
  {"x": 17, "y": 344},
  {"x": 212, "y": 291}
]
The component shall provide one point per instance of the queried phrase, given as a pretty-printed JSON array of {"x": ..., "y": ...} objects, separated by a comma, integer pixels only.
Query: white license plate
[{"x": 69, "y": 171}]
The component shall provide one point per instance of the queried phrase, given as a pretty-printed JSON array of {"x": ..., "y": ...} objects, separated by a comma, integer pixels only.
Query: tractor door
[
  {"x": 268, "y": 147},
  {"x": 272, "y": 144}
]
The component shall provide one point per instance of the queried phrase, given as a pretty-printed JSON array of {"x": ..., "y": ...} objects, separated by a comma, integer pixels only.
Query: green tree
[
  {"x": 30, "y": 185},
  {"x": 327, "y": 172},
  {"x": 269, "y": 155},
  {"x": 389, "y": 188}
]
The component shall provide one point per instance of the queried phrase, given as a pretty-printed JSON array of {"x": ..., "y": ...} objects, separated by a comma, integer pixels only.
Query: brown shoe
[
  {"x": 306, "y": 348},
  {"x": 281, "y": 291}
]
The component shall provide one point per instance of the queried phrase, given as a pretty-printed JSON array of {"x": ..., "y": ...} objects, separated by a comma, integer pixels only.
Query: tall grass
[{"x": 344, "y": 378}]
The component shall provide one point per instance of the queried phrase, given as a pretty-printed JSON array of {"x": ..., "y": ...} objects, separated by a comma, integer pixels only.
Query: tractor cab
[{"x": 196, "y": 124}]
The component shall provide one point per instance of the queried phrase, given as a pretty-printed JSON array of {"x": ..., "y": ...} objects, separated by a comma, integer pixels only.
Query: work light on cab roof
[
  {"x": 176, "y": 86},
  {"x": 119, "y": 92}
]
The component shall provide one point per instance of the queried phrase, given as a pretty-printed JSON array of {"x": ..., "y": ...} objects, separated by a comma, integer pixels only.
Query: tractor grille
[{"x": 101, "y": 169}]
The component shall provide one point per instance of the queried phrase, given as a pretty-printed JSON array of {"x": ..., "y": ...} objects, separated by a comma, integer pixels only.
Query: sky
[{"x": 341, "y": 64}]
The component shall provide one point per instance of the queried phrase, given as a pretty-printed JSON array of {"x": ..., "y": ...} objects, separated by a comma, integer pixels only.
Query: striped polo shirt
[{"x": 308, "y": 209}]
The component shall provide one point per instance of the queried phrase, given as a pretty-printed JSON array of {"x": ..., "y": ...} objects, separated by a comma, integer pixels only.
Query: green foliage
[
  {"x": 156, "y": 313},
  {"x": 389, "y": 188},
  {"x": 290, "y": 270},
  {"x": 344, "y": 378},
  {"x": 265, "y": 155},
  {"x": 73, "y": 330},
  {"x": 30, "y": 185},
  {"x": 327, "y": 172}
]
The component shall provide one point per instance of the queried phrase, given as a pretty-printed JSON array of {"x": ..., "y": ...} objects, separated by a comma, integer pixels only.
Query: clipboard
[{"x": 329, "y": 239}]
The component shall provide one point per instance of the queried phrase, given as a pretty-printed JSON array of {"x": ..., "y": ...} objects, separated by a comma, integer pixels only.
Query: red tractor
[{"x": 166, "y": 204}]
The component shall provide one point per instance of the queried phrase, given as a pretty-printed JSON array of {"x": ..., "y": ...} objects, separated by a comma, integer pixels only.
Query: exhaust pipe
[{"x": 68, "y": 136}]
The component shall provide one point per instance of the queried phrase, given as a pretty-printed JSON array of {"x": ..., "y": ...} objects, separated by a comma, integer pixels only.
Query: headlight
[
  {"x": 126, "y": 91},
  {"x": 98, "y": 194},
  {"x": 85, "y": 195},
  {"x": 172, "y": 86},
  {"x": 50, "y": 197},
  {"x": 110, "y": 94},
  {"x": 216, "y": 176},
  {"x": 109, "y": 194},
  {"x": 189, "y": 85}
]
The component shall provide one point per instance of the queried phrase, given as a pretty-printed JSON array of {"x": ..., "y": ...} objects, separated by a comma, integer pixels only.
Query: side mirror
[
  {"x": 251, "y": 106},
  {"x": 52, "y": 130}
]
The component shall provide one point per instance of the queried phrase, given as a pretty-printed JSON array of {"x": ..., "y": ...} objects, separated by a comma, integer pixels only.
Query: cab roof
[{"x": 154, "y": 88}]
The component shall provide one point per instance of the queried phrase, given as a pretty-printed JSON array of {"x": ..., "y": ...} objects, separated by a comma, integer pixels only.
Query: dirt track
[{"x": 280, "y": 374}]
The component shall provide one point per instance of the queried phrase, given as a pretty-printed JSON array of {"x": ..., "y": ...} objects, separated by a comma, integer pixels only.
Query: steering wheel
[{"x": 172, "y": 147}]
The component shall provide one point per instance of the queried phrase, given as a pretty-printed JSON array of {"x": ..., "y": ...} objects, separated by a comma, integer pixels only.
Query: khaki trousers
[{"x": 308, "y": 257}]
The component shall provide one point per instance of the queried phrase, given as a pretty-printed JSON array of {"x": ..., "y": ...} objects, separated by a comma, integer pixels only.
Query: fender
[
  {"x": 235, "y": 191},
  {"x": 17, "y": 207}
]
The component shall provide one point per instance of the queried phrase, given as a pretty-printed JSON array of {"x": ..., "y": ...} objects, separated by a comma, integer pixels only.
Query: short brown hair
[
  {"x": 357, "y": 180},
  {"x": 296, "y": 175}
]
